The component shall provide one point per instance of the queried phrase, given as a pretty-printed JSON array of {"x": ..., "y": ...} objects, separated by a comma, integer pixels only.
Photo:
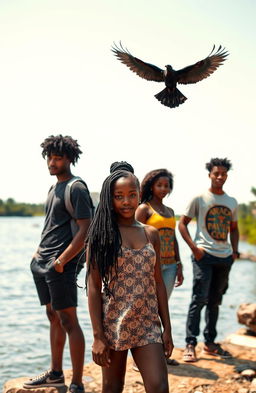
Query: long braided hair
[
  {"x": 149, "y": 180},
  {"x": 104, "y": 238}
]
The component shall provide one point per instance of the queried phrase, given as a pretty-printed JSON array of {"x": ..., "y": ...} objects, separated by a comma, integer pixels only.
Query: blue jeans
[
  {"x": 169, "y": 273},
  {"x": 210, "y": 282}
]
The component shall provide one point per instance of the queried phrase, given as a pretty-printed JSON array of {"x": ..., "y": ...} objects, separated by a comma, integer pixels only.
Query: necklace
[{"x": 160, "y": 211}]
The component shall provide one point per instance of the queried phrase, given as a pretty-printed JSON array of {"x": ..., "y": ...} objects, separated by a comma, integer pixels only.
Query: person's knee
[
  {"x": 215, "y": 299},
  {"x": 159, "y": 386},
  {"x": 157, "y": 382},
  {"x": 68, "y": 322},
  {"x": 51, "y": 314},
  {"x": 215, "y": 303},
  {"x": 200, "y": 301},
  {"x": 113, "y": 386}
]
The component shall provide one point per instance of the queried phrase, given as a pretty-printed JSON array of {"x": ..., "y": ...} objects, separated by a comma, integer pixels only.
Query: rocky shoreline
[{"x": 209, "y": 375}]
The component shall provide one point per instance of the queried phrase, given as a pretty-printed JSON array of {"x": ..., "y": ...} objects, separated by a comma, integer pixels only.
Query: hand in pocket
[{"x": 198, "y": 253}]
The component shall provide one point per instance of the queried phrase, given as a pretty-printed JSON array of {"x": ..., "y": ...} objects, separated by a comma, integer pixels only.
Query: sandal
[
  {"x": 216, "y": 350},
  {"x": 172, "y": 362},
  {"x": 189, "y": 354}
]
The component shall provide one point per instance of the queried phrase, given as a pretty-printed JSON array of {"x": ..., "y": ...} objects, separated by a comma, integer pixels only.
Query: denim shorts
[
  {"x": 58, "y": 289},
  {"x": 169, "y": 273}
]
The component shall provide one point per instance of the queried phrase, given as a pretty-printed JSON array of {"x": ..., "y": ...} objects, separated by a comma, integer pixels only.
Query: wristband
[{"x": 178, "y": 263}]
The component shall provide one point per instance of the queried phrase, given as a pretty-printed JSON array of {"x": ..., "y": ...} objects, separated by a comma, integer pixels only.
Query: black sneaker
[
  {"x": 73, "y": 388},
  {"x": 215, "y": 349},
  {"x": 44, "y": 380}
]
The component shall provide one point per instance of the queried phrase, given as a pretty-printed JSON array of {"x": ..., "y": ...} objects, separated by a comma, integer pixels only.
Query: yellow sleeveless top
[{"x": 166, "y": 229}]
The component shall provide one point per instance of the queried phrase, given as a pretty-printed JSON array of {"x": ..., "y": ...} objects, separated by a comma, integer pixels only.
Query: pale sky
[{"x": 58, "y": 75}]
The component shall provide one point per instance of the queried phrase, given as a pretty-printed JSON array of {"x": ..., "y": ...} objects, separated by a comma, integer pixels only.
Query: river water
[{"x": 24, "y": 348}]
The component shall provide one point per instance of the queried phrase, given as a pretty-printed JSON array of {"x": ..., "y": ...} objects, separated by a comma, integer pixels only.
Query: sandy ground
[{"x": 209, "y": 375}]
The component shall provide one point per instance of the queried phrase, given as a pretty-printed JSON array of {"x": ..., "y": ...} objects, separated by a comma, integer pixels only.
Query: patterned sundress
[{"x": 130, "y": 316}]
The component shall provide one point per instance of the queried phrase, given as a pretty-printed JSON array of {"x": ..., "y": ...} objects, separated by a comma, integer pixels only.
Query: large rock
[
  {"x": 242, "y": 337},
  {"x": 246, "y": 315}
]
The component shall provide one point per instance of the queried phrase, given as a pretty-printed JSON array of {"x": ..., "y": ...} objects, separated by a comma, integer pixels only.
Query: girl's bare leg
[
  {"x": 151, "y": 362},
  {"x": 113, "y": 376}
]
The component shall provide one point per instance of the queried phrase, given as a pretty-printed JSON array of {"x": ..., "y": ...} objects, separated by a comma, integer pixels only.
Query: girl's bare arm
[
  {"x": 179, "y": 276},
  {"x": 100, "y": 349}
]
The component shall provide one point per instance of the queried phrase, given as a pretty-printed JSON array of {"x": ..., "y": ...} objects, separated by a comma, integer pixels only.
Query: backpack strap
[
  {"x": 67, "y": 194},
  {"x": 68, "y": 204}
]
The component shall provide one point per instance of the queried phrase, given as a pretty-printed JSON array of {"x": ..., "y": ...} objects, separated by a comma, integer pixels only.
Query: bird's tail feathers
[{"x": 171, "y": 97}]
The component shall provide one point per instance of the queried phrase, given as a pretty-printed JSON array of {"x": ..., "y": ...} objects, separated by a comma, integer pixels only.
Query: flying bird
[{"x": 171, "y": 96}]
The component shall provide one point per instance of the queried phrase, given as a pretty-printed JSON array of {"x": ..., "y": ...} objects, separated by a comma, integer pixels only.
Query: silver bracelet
[{"x": 178, "y": 263}]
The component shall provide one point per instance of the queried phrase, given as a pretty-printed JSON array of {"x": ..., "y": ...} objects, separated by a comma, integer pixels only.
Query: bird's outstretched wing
[
  {"x": 144, "y": 70},
  {"x": 204, "y": 68}
]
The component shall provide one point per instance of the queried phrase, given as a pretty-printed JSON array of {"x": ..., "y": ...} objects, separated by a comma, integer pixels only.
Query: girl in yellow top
[{"x": 154, "y": 187}]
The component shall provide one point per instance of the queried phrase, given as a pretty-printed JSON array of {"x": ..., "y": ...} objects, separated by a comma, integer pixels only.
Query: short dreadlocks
[
  {"x": 218, "y": 162},
  {"x": 61, "y": 145}
]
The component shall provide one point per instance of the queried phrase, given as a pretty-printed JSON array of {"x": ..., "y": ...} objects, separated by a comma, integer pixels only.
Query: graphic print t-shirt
[{"x": 214, "y": 214}]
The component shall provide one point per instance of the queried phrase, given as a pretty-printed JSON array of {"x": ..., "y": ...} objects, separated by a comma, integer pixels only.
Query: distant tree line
[
  {"x": 12, "y": 208},
  {"x": 20, "y": 209},
  {"x": 246, "y": 213},
  {"x": 247, "y": 220}
]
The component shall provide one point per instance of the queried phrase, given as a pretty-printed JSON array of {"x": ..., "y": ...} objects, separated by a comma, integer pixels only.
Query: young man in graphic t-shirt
[
  {"x": 214, "y": 249},
  {"x": 58, "y": 260}
]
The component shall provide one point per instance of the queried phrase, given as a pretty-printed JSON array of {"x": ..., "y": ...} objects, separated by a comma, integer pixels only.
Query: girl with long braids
[
  {"x": 126, "y": 293},
  {"x": 154, "y": 187}
]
